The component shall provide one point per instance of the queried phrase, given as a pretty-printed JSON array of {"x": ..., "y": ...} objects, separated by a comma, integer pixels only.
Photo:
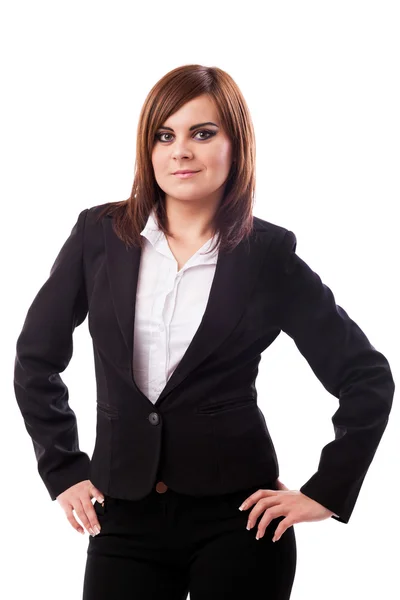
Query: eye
[{"x": 207, "y": 131}]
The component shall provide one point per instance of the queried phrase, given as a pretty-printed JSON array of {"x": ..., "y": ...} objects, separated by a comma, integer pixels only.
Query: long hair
[{"x": 233, "y": 218}]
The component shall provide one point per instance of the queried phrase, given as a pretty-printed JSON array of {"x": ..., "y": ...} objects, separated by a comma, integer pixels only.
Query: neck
[{"x": 191, "y": 221}]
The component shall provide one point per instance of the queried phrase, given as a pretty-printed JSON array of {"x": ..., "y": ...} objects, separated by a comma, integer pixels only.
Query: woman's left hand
[{"x": 292, "y": 504}]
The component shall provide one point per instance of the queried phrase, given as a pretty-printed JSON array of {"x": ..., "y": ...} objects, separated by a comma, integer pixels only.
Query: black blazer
[{"x": 205, "y": 434}]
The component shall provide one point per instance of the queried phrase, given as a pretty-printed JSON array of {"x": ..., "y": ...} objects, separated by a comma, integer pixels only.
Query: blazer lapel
[{"x": 234, "y": 278}]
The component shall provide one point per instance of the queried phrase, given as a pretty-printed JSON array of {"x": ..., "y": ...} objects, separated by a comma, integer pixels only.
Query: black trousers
[{"x": 168, "y": 545}]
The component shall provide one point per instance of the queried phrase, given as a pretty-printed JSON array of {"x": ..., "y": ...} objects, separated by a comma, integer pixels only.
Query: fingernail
[
  {"x": 100, "y": 500},
  {"x": 242, "y": 506}
]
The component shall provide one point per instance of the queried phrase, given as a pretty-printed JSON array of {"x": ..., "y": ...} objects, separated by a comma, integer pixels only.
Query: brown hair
[{"x": 233, "y": 219}]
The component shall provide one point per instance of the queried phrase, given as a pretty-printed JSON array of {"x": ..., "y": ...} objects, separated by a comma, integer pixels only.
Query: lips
[
  {"x": 186, "y": 175},
  {"x": 184, "y": 171}
]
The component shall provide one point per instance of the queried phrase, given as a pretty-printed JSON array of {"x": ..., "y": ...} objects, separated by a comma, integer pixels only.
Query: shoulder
[
  {"x": 94, "y": 217},
  {"x": 91, "y": 219},
  {"x": 283, "y": 239},
  {"x": 97, "y": 211}
]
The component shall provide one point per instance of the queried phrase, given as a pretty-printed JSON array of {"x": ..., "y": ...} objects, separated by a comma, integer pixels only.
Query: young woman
[{"x": 184, "y": 289}]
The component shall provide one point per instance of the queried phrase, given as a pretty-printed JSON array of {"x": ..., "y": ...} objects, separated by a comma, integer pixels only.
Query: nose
[{"x": 181, "y": 152}]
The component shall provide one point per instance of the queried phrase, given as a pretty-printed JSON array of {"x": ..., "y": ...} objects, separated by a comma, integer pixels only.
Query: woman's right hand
[{"x": 78, "y": 498}]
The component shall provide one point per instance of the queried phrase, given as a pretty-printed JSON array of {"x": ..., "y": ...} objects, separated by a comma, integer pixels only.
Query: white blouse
[{"x": 169, "y": 307}]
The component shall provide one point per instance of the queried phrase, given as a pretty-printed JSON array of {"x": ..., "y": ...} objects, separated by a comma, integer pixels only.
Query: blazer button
[
  {"x": 161, "y": 487},
  {"x": 154, "y": 418}
]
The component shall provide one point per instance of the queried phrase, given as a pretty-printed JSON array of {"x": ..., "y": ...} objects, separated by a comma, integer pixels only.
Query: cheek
[
  {"x": 220, "y": 163},
  {"x": 222, "y": 156},
  {"x": 155, "y": 161},
  {"x": 158, "y": 159},
  {"x": 159, "y": 171}
]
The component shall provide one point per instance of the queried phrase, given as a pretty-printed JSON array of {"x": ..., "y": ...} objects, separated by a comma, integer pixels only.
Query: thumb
[{"x": 280, "y": 485}]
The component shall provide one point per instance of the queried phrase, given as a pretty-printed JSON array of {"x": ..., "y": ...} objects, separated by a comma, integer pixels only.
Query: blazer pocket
[
  {"x": 217, "y": 407},
  {"x": 109, "y": 411},
  {"x": 99, "y": 509}
]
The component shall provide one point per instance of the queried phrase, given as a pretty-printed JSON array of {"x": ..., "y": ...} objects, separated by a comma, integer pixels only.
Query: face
[{"x": 182, "y": 143}]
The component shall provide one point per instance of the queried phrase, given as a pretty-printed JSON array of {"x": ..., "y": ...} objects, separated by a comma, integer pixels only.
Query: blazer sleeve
[
  {"x": 349, "y": 368},
  {"x": 43, "y": 350}
]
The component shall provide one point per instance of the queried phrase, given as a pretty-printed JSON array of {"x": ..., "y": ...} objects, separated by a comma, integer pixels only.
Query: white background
[{"x": 322, "y": 83}]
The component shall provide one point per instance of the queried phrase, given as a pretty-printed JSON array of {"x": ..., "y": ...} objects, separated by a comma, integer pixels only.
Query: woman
[{"x": 184, "y": 289}]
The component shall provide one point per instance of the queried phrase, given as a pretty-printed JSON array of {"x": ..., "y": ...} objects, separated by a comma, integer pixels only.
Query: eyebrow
[{"x": 192, "y": 127}]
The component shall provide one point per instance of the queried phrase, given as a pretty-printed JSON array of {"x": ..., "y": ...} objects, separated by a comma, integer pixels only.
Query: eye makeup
[{"x": 209, "y": 132}]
